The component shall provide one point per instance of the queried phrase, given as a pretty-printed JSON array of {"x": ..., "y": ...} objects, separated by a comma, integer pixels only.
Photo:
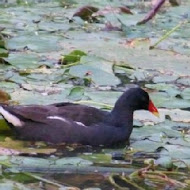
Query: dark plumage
[{"x": 75, "y": 123}]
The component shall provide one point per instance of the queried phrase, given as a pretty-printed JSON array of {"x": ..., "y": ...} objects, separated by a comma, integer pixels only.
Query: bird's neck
[{"x": 122, "y": 118}]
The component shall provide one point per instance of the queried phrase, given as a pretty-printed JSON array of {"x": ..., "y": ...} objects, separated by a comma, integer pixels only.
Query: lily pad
[
  {"x": 170, "y": 89},
  {"x": 102, "y": 96},
  {"x": 100, "y": 71},
  {"x": 165, "y": 162},
  {"x": 97, "y": 158},
  {"x": 146, "y": 145},
  {"x": 73, "y": 161},
  {"x": 185, "y": 94},
  {"x": 184, "y": 81},
  {"x": 3, "y": 52},
  {"x": 72, "y": 57},
  {"x": 23, "y": 61},
  {"x": 181, "y": 155},
  {"x": 165, "y": 79},
  {"x": 19, "y": 147},
  {"x": 41, "y": 44},
  {"x": 76, "y": 93},
  {"x": 11, "y": 185},
  {"x": 4, "y": 97},
  {"x": 165, "y": 100}
]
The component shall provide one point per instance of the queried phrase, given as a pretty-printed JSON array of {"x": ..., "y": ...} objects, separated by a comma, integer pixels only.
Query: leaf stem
[
  {"x": 168, "y": 34},
  {"x": 70, "y": 64}
]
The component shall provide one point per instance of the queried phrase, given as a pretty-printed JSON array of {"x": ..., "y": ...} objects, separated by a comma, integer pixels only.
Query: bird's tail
[{"x": 9, "y": 117}]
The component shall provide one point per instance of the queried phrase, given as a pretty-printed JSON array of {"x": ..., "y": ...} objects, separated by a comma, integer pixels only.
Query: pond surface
[{"x": 40, "y": 65}]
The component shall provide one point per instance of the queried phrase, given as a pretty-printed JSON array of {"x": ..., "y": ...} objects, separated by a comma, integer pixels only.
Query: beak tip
[
  {"x": 156, "y": 114},
  {"x": 153, "y": 109}
]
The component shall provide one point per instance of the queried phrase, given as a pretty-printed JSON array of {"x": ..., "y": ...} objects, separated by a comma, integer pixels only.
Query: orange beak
[{"x": 152, "y": 108}]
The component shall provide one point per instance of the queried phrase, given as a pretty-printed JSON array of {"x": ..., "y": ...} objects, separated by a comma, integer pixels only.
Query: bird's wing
[
  {"x": 81, "y": 113},
  {"x": 33, "y": 112}
]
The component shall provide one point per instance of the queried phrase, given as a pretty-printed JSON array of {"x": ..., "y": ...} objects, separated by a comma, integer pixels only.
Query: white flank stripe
[
  {"x": 58, "y": 118},
  {"x": 65, "y": 120},
  {"x": 80, "y": 123},
  {"x": 11, "y": 118}
]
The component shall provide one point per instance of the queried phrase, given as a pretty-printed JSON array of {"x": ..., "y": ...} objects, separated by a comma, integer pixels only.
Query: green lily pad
[
  {"x": 72, "y": 57},
  {"x": 181, "y": 155},
  {"x": 165, "y": 79},
  {"x": 15, "y": 147},
  {"x": 40, "y": 162},
  {"x": 185, "y": 94},
  {"x": 3, "y": 52},
  {"x": 76, "y": 93},
  {"x": 101, "y": 72},
  {"x": 170, "y": 89},
  {"x": 3, "y": 125},
  {"x": 97, "y": 158},
  {"x": 73, "y": 161},
  {"x": 30, "y": 162},
  {"x": 165, "y": 161},
  {"x": 8, "y": 86},
  {"x": 162, "y": 99},
  {"x": 106, "y": 97},
  {"x": 184, "y": 81},
  {"x": 27, "y": 97},
  {"x": 41, "y": 43},
  {"x": 23, "y": 61},
  {"x": 146, "y": 145},
  {"x": 11, "y": 185}
]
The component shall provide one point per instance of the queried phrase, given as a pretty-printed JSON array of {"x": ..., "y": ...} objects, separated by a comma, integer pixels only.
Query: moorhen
[{"x": 75, "y": 123}]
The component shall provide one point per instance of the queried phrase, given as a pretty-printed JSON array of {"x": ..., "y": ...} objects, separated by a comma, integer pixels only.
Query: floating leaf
[
  {"x": 42, "y": 43},
  {"x": 101, "y": 71},
  {"x": 175, "y": 2},
  {"x": 18, "y": 147},
  {"x": 12, "y": 185},
  {"x": 97, "y": 158},
  {"x": 76, "y": 93},
  {"x": 165, "y": 79},
  {"x": 165, "y": 161},
  {"x": 72, "y": 161},
  {"x": 3, "y": 125},
  {"x": 4, "y": 97},
  {"x": 3, "y": 49},
  {"x": 85, "y": 12},
  {"x": 3, "y": 52},
  {"x": 185, "y": 94},
  {"x": 72, "y": 57},
  {"x": 111, "y": 10},
  {"x": 24, "y": 61},
  {"x": 126, "y": 10}
]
